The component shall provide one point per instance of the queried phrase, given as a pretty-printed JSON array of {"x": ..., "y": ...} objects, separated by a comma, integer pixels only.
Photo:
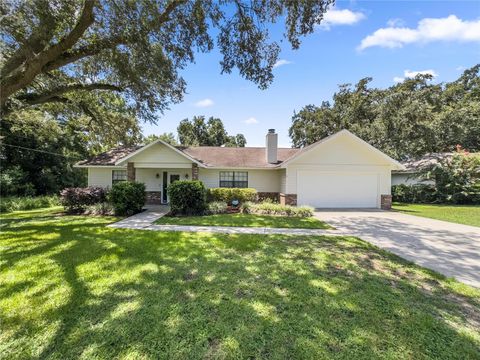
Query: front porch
[{"x": 157, "y": 178}]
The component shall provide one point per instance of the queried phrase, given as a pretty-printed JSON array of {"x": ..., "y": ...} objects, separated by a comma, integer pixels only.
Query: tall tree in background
[
  {"x": 169, "y": 138},
  {"x": 197, "y": 132},
  {"x": 406, "y": 120},
  {"x": 62, "y": 51}
]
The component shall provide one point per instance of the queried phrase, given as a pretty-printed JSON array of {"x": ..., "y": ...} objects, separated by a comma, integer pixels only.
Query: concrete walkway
[
  {"x": 449, "y": 248},
  {"x": 143, "y": 219}
]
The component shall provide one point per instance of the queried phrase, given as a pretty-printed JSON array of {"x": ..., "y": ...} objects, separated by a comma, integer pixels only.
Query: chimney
[{"x": 271, "y": 145}]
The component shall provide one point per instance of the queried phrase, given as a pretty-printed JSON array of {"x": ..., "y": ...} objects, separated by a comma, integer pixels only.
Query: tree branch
[
  {"x": 36, "y": 99},
  {"x": 33, "y": 67}
]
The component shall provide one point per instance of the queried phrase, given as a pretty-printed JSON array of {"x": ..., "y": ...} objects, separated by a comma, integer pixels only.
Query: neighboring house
[
  {"x": 410, "y": 175},
  {"x": 340, "y": 171}
]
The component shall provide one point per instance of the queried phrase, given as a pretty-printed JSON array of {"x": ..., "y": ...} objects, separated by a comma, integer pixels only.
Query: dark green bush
[
  {"x": 229, "y": 194},
  {"x": 187, "y": 197},
  {"x": 418, "y": 193},
  {"x": 127, "y": 198},
  {"x": 8, "y": 204},
  {"x": 76, "y": 199}
]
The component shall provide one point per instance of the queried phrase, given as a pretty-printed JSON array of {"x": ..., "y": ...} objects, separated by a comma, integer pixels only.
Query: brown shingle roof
[
  {"x": 110, "y": 157},
  {"x": 247, "y": 157},
  {"x": 210, "y": 156}
]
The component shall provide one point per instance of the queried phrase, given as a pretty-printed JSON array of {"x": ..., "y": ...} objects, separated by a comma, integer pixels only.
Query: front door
[{"x": 168, "y": 179}]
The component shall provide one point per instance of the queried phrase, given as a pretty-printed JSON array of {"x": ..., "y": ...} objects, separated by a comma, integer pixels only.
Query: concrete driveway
[{"x": 451, "y": 249}]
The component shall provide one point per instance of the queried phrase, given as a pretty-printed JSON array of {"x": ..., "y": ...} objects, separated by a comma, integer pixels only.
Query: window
[
  {"x": 234, "y": 179},
  {"x": 119, "y": 176}
]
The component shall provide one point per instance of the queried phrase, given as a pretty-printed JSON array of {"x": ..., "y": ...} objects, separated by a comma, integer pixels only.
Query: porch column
[
  {"x": 194, "y": 171},
  {"x": 130, "y": 172}
]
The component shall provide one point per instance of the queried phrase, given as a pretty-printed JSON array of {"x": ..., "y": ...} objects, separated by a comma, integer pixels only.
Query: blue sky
[{"x": 387, "y": 40}]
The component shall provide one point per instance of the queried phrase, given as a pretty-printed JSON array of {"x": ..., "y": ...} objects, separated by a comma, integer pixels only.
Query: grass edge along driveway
[
  {"x": 245, "y": 220},
  {"x": 460, "y": 214},
  {"x": 70, "y": 287}
]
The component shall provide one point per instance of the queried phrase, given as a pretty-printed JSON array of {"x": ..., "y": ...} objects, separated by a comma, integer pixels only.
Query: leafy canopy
[
  {"x": 197, "y": 132},
  {"x": 406, "y": 120},
  {"x": 61, "y": 51}
]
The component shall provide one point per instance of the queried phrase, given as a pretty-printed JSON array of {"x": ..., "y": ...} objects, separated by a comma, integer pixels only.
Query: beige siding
[
  {"x": 262, "y": 180},
  {"x": 100, "y": 176},
  {"x": 159, "y": 155}
]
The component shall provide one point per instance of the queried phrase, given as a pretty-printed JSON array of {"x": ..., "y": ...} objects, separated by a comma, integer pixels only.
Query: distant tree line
[{"x": 406, "y": 120}]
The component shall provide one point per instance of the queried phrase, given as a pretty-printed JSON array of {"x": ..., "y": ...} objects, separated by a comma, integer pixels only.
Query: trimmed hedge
[
  {"x": 269, "y": 208},
  {"x": 76, "y": 200},
  {"x": 127, "y": 198},
  {"x": 229, "y": 194},
  {"x": 187, "y": 197},
  {"x": 9, "y": 204}
]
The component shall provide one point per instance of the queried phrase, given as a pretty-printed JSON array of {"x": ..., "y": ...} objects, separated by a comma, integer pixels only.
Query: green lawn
[
  {"x": 245, "y": 220},
  {"x": 71, "y": 288},
  {"x": 461, "y": 214}
]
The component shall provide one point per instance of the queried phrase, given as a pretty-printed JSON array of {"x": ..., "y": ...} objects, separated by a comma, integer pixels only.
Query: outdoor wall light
[
  {"x": 157, "y": 176},
  {"x": 186, "y": 176}
]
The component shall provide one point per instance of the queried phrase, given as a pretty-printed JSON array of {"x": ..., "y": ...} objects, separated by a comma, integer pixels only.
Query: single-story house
[{"x": 339, "y": 171}]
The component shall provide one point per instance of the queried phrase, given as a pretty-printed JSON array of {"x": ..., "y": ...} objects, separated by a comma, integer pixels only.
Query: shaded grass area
[
  {"x": 245, "y": 220},
  {"x": 461, "y": 214},
  {"x": 72, "y": 288}
]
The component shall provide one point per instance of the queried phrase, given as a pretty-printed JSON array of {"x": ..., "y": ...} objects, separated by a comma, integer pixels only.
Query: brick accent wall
[
  {"x": 288, "y": 199},
  {"x": 130, "y": 171},
  {"x": 275, "y": 196},
  {"x": 154, "y": 197},
  {"x": 386, "y": 202},
  {"x": 194, "y": 171}
]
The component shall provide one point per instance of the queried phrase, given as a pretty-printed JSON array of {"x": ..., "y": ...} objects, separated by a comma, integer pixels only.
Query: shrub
[
  {"x": 9, "y": 204},
  {"x": 418, "y": 193},
  {"x": 76, "y": 200},
  {"x": 229, "y": 194},
  {"x": 127, "y": 198},
  {"x": 187, "y": 197},
  {"x": 457, "y": 178},
  {"x": 217, "y": 207},
  {"x": 103, "y": 208},
  {"x": 270, "y": 208}
]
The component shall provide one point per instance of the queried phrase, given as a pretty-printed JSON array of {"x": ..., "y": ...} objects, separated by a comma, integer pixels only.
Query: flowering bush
[{"x": 457, "y": 178}]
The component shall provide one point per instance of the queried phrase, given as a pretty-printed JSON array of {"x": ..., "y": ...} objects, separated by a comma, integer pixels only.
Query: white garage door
[{"x": 337, "y": 190}]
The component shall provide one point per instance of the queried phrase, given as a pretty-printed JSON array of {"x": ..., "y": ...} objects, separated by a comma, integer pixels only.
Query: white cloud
[
  {"x": 340, "y": 17},
  {"x": 460, "y": 68},
  {"x": 251, "y": 120},
  {"x": 204, "y": 103},
  {"x": 411, "y": 74},
  {"x": 428, "y": 30},
  {"x": 281, "y": 62},
  {"x": 397, "y": 22}
]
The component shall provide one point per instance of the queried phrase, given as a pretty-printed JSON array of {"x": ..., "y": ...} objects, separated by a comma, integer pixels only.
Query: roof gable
[
  {"x": 154, "y": 151},
  {"x": 342, "y": 148}
]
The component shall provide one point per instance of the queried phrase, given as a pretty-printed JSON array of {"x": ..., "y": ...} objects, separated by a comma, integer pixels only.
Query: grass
[
  {"x": 15, "y": 203},
  {"x": 461, "y": 214},
  {"x": 246, "y": 220},
  {"x": 71, "y": 288}
]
